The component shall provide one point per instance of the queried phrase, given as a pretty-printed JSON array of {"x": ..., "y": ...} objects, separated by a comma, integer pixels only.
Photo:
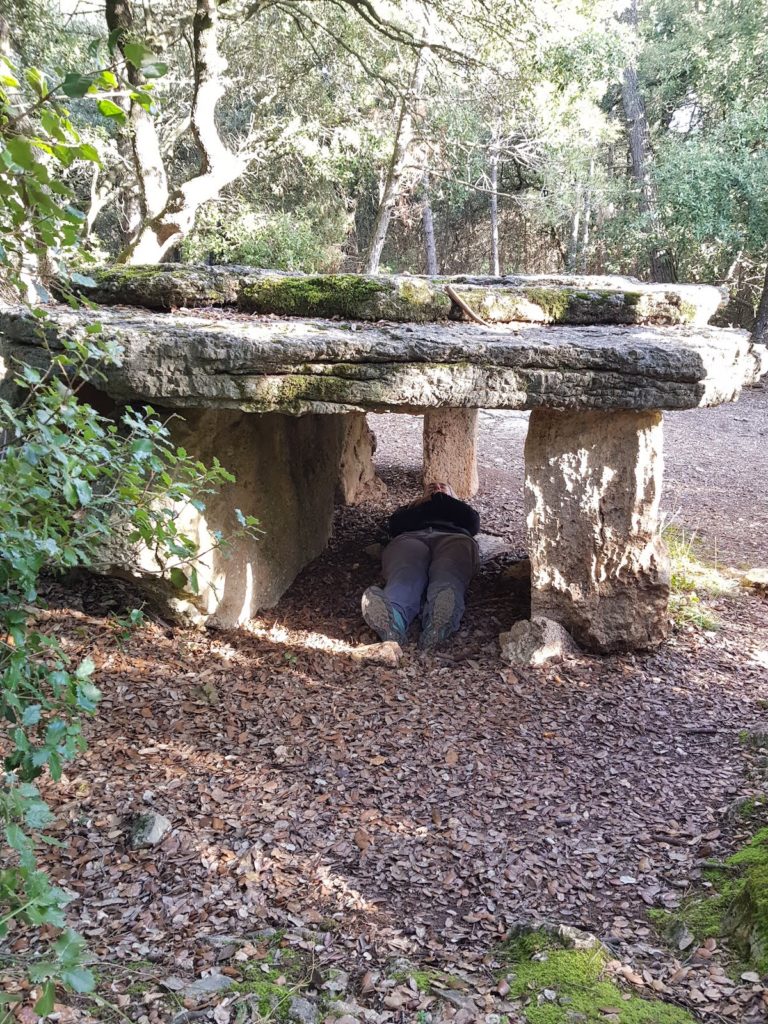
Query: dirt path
[{"x": 418, "y": 810}]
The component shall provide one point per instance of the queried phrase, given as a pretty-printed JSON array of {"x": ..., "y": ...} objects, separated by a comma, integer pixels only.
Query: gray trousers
[{"x": 419, "y": 563}]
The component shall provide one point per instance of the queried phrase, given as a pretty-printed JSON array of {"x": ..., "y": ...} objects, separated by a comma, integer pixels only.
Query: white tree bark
[
  {"x": 170, "y": 216},
  {"x": 428, "y": 224},
  {"x": 493, "y": 174}
]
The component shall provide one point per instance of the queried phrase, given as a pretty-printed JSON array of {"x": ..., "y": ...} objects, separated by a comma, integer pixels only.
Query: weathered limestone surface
[
  {"x": 535, "y": 642},
  {"x": 286, "y": 470},
  {"x": 450, "y": 449},
  {"x": 592, "y": 489},
  {"x": 298, "y": 366},
  {"x": 358, "y": 481},
  {"x": 565, "y": 299}
]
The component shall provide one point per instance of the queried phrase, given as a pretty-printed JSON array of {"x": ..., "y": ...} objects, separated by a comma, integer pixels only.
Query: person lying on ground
[{"x": 427, "y": 567}]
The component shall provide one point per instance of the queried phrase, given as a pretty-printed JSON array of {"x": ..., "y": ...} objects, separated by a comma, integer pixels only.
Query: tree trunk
[
  {"x": 166, "y": 223},
  {"x": 493, "y": 174},
  {"x": 573, "y": 239},
  {"x": 661, "y": 264},
  {"x": 391, "y": 189},
  {"x": 584, "y": 247},
  {"x": 428, "y": 224},
  {"x": 760, "y": 332},
  {"x": 145, "y": 144}
]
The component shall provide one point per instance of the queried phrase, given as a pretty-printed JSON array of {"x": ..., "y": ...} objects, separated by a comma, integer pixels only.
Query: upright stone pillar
[
  {"x": 592, "y": 489},
  {"x": 450, "y": 449},
  {"x": 286, "y": 469},
  {"x": 358, "y": 481}
]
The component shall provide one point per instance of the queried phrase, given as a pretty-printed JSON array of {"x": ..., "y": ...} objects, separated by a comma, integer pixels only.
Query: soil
[{"x": 419, "y": 810}]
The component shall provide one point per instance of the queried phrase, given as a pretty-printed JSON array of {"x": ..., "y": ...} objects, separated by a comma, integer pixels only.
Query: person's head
[{"x": 437, "y": 487}]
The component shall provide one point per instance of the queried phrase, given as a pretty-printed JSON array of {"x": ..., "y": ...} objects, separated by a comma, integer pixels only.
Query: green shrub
[{"x": 277, "y": 241}]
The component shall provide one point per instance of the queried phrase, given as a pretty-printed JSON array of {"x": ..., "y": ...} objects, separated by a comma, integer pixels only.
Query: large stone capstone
[
  {"x": 186, "y": 359},
  {"x": 548, "y": 298}
]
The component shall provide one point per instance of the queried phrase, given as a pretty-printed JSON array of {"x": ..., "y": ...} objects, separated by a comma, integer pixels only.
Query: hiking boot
[
  {"x": 382, "y": 617},
  {"x": 438, "y": 619}
]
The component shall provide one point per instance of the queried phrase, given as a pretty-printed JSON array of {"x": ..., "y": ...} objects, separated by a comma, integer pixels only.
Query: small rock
[
  {"x": 461, "y": 1002},
  {"x": 337, "y": 982},
  {"x": 751, "y": 976},
  {"x": 387, "y": 653},
  {"x": 490, "y": 546},
  {"x": 535, "y": 642},
  {"x": 200, "y": 990},
  {"x": 374, "y": 551},
  {"x": 756, "y": 579},
  {"x": 682, "y": 937},
  {"x": 302, "y": 1011},
  {"x": 146, "y": 829}
]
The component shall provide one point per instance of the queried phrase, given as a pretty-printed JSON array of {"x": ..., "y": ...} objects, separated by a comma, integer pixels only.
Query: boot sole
[
  {"x": 378, "y": 616},
  {"x": 438, "y": 628}
]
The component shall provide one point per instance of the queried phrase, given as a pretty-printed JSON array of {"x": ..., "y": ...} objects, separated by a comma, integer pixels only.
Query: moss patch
[
  {"x": 350, "y": 296},
  {"x": 736, "y": 910},
  {"x": 274, "y": 981},
  {"x": 560, "y": 983},
  {"x": 553, "y": 302}
]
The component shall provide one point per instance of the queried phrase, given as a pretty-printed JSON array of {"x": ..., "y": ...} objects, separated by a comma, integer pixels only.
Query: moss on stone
[
  {"x": 560, "y": 983},
  {"x": 553, "y": 302},
  {"x": 351, "y": 296},
  {"x": 736, "y": 910}
]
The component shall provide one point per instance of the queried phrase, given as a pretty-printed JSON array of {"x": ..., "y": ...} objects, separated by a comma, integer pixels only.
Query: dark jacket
[{"x": 442, "y": 512}]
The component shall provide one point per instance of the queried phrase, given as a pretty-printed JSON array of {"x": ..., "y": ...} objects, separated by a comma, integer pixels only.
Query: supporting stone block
[
  {"x": 450, "y": 449},
  {"x": 592, "y": 486},
  {"x": 286, "y": 469},
  {"x": 358, "y": 481}
]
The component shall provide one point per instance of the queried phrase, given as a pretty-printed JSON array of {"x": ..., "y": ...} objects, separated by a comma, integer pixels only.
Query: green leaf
[
  {"x": 85, "y": 669},
  {"x": 85, "y": 282},
  {"x": 110, "y": 109},
  {"x": 21, "y": 152},
  {"x": 37, "y": 81},
  {"x": 44, "y": 1004},
  {"x": 137, "y": 54},
  {"x": 17, "y": 839},
  {"x": 76, "y": 85},
  {"x": 31, "y": 715},
  {"x": 154, "y": 69},
  {"x": 84, "y": 491},
  {"x": 178, "y": 578},
  {"x": 80, "y": 979}
]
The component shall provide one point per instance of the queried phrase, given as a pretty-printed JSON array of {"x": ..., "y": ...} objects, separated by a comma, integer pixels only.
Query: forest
[
  {"x": 430, "y": 138},
  {"x": 278, "y": 275}
]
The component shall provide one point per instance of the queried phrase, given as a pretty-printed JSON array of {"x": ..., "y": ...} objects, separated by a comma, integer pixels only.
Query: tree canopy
[{"x": 452, "y": 135}]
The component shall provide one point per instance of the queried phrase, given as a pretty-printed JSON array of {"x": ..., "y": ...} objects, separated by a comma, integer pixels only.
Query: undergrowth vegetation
[
  {"x": 69, "y": 479},
  {"x": 694, "y": 579}
]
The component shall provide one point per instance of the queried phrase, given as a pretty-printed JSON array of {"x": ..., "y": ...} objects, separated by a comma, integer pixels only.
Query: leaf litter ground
[{"x": 395, "y": 818}]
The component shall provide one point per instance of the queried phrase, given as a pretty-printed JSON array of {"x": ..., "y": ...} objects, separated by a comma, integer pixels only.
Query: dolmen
[{"x": 273, "y": 374}]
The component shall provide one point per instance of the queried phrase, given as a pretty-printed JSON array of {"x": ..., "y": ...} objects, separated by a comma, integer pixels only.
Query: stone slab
[
  {"x": 568, "y": 299},
  {"x": 297, "y": 366}
]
